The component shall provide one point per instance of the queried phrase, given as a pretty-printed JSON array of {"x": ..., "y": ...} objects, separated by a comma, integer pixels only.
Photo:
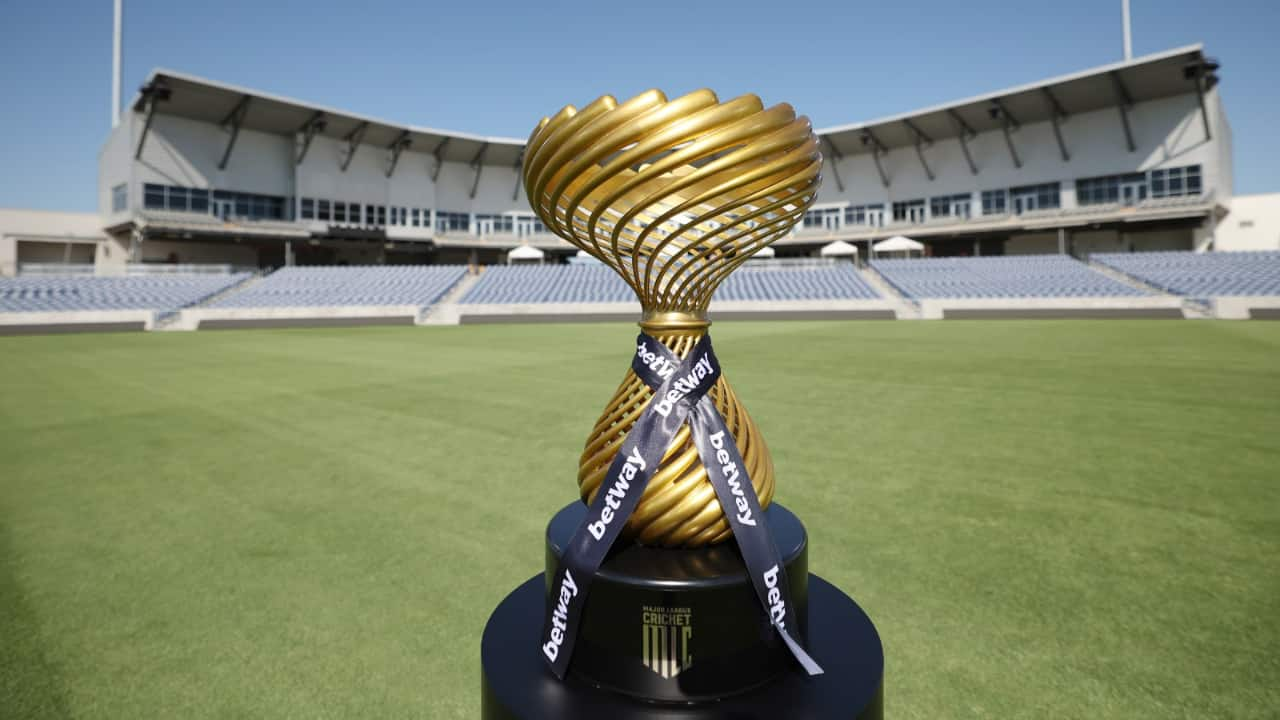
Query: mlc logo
[{"x": 665, "y": 643}]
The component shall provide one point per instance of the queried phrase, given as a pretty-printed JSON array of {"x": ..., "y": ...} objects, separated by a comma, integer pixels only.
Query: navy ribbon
[{"x": 679, "y": 396}]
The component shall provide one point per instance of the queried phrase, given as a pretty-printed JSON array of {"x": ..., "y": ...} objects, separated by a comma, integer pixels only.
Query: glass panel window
[
  {"x": 994, "y": 202},
  {"x": 908, "y": 211},
  {"x": 199, "y": 201},
  {"x": 120, "y": 198},
  {"x": 308, "y": 209},
  {"x": 323, "y": 210},
  {"x": 382, "y": 214},
  {"x": 1036, "y": 197},
  {"x": 153, "y": 197},
  {"x": 452, "y": 222},
  {"x": 416, "y": 217},
  {"x": 339, "y": 211}
]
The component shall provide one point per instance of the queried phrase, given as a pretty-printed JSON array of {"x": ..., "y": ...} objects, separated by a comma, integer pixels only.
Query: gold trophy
[{"x": 673, "y": 195}]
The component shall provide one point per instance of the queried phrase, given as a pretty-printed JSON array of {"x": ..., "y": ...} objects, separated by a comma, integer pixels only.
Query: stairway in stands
[
  {"x": 445, "y": 310},
  {"x": 1196, "y": 309},
  {"x": 168, "y": 317},
  {"x": 905, "y": 308}
]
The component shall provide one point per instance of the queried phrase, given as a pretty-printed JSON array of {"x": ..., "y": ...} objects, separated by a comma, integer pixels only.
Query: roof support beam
[
  {"x": 1202, "y": 73},
  {"x": 1008, "y": 123},
  {"x": 314, "y": 125},
  {"x": 1124, "y": 101},
  {"x": 877, "y": 149},
  {"x": 234, "y": 119},
  {"x": 154, "y": 92},
  {"x": 1057, "y": 116},
  {"x": 964, "y": 134},
  {"x": 836, "y": 156},
  {"x": 920, "y": 141},
  {"x": 438, "y": 154},
  {"x": 477, "y": 163},
  {"x": 397, "y": 146},
  {"x": 353, "y": 139},
  {"x": 515, "y": 191}
]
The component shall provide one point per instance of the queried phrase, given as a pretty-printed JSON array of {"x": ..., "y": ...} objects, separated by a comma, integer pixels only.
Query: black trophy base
[
  {"x": 517, "y": 684},
  {"x": 682, "y": 625}
]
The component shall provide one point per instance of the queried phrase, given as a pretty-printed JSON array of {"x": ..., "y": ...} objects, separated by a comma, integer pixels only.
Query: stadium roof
[
  {"x": 1173, "y": 72},
  {"x": 1148, "y": 77},
  {"x": 210, "y": 101}
]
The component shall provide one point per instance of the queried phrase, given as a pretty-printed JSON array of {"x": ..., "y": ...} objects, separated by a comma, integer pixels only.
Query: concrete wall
[
  {"x": 186, "y": 152},
  {"x": 43, "y": 236},
  {"x": 1252, "y": 224},
  {"x": 158, "y": 251}
]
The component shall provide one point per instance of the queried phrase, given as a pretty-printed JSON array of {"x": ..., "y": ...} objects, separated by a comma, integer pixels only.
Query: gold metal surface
[{"x": 673, "y": 195}]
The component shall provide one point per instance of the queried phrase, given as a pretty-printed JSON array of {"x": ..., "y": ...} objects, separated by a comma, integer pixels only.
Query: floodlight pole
[
  {"x": 1128, "y": 31},
  {"x": 116, "y": 52}
]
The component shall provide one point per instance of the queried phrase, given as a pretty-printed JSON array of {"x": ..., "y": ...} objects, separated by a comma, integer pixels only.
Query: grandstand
[
  {"x": 75, "y": 294},
  {"x": 758, "y": 282},
  {"x": 344, "y": 217},
  {"x": 1035, "y": 276},
  {"x": 347, "y": 286},
  {"x": 1202, "y": 275}
]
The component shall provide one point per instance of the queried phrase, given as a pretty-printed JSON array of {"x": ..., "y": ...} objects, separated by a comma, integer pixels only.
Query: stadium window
[
  {"x": 452, "y": 222},
  {"x": 1128, "y": 188},
  {"x": 416, "y": 218},
  {"x": 382, "y": 214},
  {"x": 308, "y": 209},
  {"x": 323, "y": 210},
  {"x": 950, "y": 206},
  {"x": 867, "y": 215},
  {"x": 909, "y": 211},
  {"x": 120, "y": 198},
  {"x": 823, "y": 218},
  {"x": 153, "y": 197},
  {"x": 1175, "y": 182},
  {"x": 1036, "y": 197},
  {"x": 994, "y": 202},
  {"x": 178, "y": 199},
  {"x": 199, "y": 200}
]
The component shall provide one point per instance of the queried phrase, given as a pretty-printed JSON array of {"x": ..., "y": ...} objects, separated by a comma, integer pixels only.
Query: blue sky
[{"x": 495, "y": 68}]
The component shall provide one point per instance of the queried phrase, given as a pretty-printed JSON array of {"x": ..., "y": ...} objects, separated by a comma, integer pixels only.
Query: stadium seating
[
  {"x": 1025, "y": 276},
  {"x": 1202, "y": 275},
  {"x": 597, "y": 283},
  {"x": 161, "y": 293},
  {"x": 347, "y": 286}
]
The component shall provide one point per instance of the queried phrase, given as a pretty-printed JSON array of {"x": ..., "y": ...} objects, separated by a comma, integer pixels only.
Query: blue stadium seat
[
  {"x": 597, "y": 283},
  {"x": 1011, "y": 276},
  {"x": 1202, "y": 275},
  {"x": 336, "y": 286},
  {"x": 161, "y": 293}
]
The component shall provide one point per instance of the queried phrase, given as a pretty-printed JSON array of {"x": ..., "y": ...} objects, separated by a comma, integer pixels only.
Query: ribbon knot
[{"x": 679, "y": 395}]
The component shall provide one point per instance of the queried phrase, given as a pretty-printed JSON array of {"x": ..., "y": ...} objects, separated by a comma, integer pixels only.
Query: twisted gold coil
[{"x": 673, "y": 195}]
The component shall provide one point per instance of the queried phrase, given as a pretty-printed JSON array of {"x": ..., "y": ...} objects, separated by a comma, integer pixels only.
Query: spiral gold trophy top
[{"x": 673, "y": 195}]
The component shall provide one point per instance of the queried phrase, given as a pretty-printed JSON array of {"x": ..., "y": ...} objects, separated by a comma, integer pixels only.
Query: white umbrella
[
  {"x": 898, "y": 243},
  {"x": 526, "y": 252},
  {"x": 764, "y": 252},
  {"x": 839, "y": 248}
]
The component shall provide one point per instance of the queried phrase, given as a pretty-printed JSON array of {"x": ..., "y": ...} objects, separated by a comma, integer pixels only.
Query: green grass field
[{"x": 1045, "y": 519}]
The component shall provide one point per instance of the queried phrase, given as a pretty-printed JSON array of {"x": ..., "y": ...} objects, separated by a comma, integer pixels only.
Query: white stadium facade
[{"x": 1132, "y": 157}]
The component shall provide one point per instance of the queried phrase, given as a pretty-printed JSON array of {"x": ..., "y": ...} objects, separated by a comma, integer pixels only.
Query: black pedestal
[
  {"x": 680, "y": 634},
  {"x": 681, "y": 625},
  {"x": 517, "y": 684}
]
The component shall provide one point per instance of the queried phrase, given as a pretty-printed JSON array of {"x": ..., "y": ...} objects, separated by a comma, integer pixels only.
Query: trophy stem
[{"x": 689, "y": 324}]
